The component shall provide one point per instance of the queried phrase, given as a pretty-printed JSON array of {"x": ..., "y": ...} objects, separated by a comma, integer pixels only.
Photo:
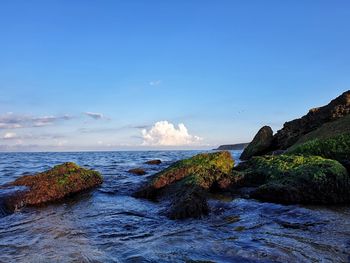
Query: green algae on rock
[
  {"x": 190, "y": 179},
  {"x": 60, "y": 181},
  {"x": 295, "y": 179},
  {"x": 336, "y": 147},
  {"x": 204, "y": 168}
]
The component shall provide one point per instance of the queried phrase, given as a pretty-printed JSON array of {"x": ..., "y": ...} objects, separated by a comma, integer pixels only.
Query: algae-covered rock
[
  {"x": 206, "y": 168},
  {"x": 187, "y": 182},
  {"x": 60, "y": 181},
  {"x": 300, "y": 179},
  {"x": 336, "y": 147},
  {"x": 260, "y": 145}
]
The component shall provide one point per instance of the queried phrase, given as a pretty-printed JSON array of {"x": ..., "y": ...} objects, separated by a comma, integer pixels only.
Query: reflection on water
[{"x": 108, "y": 225}]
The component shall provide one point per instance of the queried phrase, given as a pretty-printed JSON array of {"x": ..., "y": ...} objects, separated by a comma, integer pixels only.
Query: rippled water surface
[{"x": 108, "y": 225}]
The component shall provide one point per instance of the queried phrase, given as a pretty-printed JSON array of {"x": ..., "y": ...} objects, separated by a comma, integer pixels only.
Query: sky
[{"x": 146, "y": 74}]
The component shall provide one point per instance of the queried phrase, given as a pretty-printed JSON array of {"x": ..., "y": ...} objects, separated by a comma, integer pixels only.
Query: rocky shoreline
[{"x": 306, "y": 162}]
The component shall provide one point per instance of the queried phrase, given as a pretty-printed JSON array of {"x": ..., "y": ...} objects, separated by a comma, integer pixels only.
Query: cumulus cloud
[
  {"x": 13, "y": 121},
  {"x": 155, "y": 82},
  {"x": 164, "y": 133},
  {"x": 94, "y": 115}
]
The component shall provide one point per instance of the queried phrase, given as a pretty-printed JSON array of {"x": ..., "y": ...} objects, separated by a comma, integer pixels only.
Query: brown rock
[
  {"x": 154, "y": 162},
  {"x": 137, "y": 171}
]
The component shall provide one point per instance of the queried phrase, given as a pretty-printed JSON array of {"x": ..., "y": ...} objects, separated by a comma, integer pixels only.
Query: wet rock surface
[
  {"x": 137, "y": 171},
  {"x": 154, "y": 162},
  {"x": 52, "y": 185},
  {"x": 191, "y": 178}
]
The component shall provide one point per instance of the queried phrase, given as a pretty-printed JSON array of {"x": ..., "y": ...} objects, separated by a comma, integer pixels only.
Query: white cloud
[
  {"x": 94, "y": 115},
  {"x": 155, "y": 82},
  {"x": 163, "y": 133},
  {"x": 10, "y": 136}
]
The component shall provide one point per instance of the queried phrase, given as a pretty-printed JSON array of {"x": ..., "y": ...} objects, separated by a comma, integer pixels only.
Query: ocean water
[{"x": 108, "y": 225}]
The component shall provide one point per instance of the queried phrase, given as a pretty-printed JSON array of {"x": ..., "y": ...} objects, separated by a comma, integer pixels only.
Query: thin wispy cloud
[
  {"x": 155, "y": 82},
  {"x": 112, "y": 129},
  {"x": 164, "y": 133},
  {"x": 16, "y": 121},
  {"x": 94, "y": 115}
]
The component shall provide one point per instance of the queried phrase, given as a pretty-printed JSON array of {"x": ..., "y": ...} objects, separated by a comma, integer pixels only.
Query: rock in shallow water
[
  {"x": 137, "y": 171},
  {"x": 186, "y": 182},
  {"x": 293, "y": 179},
  {"x": 154, "y": 162},
  {"x": 59, "y": 182}
]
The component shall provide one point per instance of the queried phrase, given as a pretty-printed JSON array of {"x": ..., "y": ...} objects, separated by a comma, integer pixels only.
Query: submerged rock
[
  {"x": 189, "y": 202},
  {"x": 187, "y": 182},
  {"x": 154, "y": 162},
  {"x": 260, "y": 145},
  {"x": 60, "y": 181},
  {"x": 292, "y": 179},
  {"x": 137, "y": 171}
]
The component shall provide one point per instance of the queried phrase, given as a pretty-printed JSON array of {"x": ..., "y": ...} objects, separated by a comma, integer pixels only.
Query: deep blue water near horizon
[{"x": 108, "y": 225}]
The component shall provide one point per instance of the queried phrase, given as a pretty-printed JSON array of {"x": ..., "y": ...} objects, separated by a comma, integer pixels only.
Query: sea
[{"x": 109, "y": 225}]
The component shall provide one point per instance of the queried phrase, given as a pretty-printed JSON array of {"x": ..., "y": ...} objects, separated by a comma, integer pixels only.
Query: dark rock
[
  {"x": 137, "y": 171},
  {"x": 154, "y": 162},
  {"x": 292, "y": 131},
  {"x": 59, "y": 182},
  {"x": 260, "y": 145},
  {"x": 189, "y": 203}
]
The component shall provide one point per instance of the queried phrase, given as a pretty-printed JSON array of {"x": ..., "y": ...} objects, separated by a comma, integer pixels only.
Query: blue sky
[{"x": 115, "y": 75}]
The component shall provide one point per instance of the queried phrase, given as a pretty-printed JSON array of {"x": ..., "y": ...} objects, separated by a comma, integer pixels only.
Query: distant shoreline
[{"x": 230, "y": 147}]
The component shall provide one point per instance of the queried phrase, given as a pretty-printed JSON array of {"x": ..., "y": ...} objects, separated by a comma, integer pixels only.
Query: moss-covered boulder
[
  {"x": 336, "y": 147},
  {"x": 295, "y": 179},
  {"x": 260, "y": 145},
  {"x": 192, "y": 178},
  {"x": 60, "y": 181},
  {"x": 205, "y": 169}
]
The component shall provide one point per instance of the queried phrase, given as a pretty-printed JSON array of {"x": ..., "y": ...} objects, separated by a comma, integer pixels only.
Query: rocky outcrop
[
  {"x": 292, "y": 131},
  {"x": 261, "y": 143},
  {"x": 59, "y": 182},
  {"x": 137, "y": 171},
  {"x": 191, "y": 178}
]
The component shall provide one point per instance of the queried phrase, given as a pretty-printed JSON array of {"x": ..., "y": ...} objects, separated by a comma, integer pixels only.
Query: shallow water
[{"x": 108, "y": 225}]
